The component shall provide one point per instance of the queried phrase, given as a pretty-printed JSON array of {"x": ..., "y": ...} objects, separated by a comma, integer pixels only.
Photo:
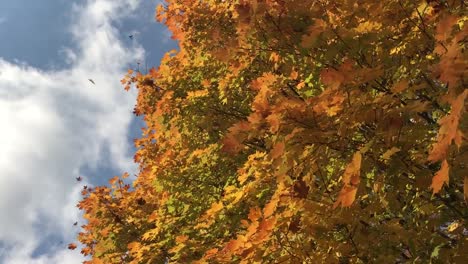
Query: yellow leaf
[
  {"x": 454, "y": 225},
  {"x": 441, "y": 177},
  {"x": 368, "y": 26},
  {"x": 215, "y": 207}
]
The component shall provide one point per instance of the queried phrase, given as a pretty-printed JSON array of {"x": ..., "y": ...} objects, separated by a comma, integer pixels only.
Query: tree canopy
[{"x": 298, "y": 131}]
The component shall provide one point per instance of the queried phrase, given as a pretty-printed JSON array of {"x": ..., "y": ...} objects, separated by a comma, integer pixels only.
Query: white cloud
[
  {"x": 56, "y": 122},
  {"x": 2, "y": 19}
]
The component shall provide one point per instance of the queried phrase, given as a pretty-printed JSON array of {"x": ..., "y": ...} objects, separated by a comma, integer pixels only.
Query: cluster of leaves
[{"x": 299, "y": 131}]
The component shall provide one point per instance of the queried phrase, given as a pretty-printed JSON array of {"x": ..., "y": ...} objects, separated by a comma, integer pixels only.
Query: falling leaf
[{"x": 71, "y": 246}]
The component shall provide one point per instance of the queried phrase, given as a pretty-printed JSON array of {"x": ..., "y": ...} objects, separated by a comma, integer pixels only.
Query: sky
[{"x": 55, "y": 124}]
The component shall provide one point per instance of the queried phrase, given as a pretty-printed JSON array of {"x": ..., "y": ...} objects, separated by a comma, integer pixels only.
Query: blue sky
[{"x": 56, "y": 125}]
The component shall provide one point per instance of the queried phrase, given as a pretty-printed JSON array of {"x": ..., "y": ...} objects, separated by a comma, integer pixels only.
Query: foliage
[{"x": 296, "y": 131}]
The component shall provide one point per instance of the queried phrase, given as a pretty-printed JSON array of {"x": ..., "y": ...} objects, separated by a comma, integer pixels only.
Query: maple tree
[{"x": 299, "y": 131}]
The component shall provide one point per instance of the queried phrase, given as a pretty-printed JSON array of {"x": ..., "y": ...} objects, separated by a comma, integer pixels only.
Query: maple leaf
[
  {"x": 211, "y": 253},
  {"x": 350, "y": 179},
  {"x": 254, "y": 214},
  {"x": 270, "y": 207},
  {"x": 331, "y": 78},
  {"x": 441, "y": 177},
  {"x": 400, "y": 86},
  {"x": 448, "y": 131},
  {"x": 277, "y": 150},
  {"x": 346, "y": 196},
  {"x": 233, "y": 245},
  {"x": 252, "y": 116}
]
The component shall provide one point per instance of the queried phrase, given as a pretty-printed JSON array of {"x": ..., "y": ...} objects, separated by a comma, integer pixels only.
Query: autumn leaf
[
  {"x": 441, "y": 177},
  {"x": 270, "y": 207},
  {"x": 448, "y": 131},
  {"x": 266, "y": 110},
  {"x": 71, "y": 246},
  {"x": 400, "y": 86},
  {"x": 351, "y": 180},
  {"x": 346, "y": 196},
  {"x": 278, "y": 150},
  {"x": 389, "y": 153}
]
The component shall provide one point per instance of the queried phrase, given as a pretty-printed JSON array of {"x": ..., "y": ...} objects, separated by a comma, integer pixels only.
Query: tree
[{"x": 296, "y": 132}]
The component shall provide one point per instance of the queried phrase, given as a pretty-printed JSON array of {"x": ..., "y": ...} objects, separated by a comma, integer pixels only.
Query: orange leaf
[
  {"x": 351, "y": 180},
  {"x": 346, "y": 197},
  {"x": 233, "y": 245},
  {"x": 274, "y": 121},
  {"x": 331, "y": 78},
  {"x": 441, "y": 177},
  {"x": 300, "y": 85},
  {"x": 294, "y": 75},
  {"x": 274, "y": 57},
  {"x": 270, "y": 207},
  {"x": 352, "y": 171},
  {"x": 181, "y": 239},
  {"x": 277, "y": 150},
  {"x": 400, "y": 86},
  {"x": 444, "y": 27},
  {"x": 448, "y": 130},
  {"x": 254, "y": 214},
  {"x": 210, "y": 253}
]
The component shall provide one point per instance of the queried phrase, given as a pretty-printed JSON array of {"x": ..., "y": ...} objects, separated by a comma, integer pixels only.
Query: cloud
[
  {"x": 2, "y": 19},
  {"x": 56, "y": 122}
]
